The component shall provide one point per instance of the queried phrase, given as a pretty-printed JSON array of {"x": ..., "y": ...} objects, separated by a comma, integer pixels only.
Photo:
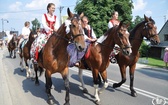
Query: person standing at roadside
[{"x": 165, "y": 58}]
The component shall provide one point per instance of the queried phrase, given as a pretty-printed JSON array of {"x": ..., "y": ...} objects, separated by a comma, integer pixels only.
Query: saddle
[{"x": 23, "y": 43}]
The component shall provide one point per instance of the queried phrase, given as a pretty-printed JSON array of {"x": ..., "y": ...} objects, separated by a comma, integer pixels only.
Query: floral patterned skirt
[{"x": 38, "y": 44}]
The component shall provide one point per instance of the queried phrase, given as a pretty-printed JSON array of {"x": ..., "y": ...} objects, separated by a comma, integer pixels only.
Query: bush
[{"x": 144, "y": 49}]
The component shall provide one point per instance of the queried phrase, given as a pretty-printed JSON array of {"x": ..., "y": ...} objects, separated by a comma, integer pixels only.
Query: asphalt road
[{"x": 150, "y": 84}]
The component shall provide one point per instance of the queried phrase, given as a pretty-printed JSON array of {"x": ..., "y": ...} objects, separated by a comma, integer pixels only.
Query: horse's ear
[
  {"x": 146, "y": 18},
  {"x": 81, "y": 15},
  {"x": 121, "y": 23},
  {"x": 127, "y": 25},
  {"x": 69, "y": 13}
]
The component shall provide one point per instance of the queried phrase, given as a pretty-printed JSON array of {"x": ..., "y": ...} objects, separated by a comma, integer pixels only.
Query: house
[{"x": 157, "y": 51}]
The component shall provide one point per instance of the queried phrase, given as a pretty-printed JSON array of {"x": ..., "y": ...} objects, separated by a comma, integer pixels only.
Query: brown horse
[
  {"x": 25, "y": 53},
  {"x": 54, "y": 57},
  {"x": 12, "y": 46},
  {"x": 146, "y": 29},
  {"x": 1, "y": 44},
  {"x": 98, "y": 60}
]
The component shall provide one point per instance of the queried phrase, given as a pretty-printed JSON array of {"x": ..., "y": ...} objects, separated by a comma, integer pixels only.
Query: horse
[
  {"x": 25, "y": 53},
  {"x": 146, "y": 29},
  {"x": 98, "y": 59},
  {"x": 1, "y": 43},
  {"x": 12, "y": 46},
  {"x": 54, "y": 56}
]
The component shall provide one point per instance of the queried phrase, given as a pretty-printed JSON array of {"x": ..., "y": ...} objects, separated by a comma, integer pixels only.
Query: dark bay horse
[
  {"x": 12, "y": 46},
  {"x": 54, "y": 56},
  {"x": 98, "y": 60},
  {"x": 25, "y": 53},
  {"x": 1, "y": 43},
  {"x": 146, "y": 29}
]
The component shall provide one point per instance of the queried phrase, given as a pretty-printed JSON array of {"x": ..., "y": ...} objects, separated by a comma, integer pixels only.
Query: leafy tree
[
  {"x": 35, "y": 23},
  {"x": 137, "y": 20},
  {"x": 99, "y": 12}
]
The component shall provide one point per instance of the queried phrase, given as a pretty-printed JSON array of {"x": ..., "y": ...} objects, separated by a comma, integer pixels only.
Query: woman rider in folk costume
[
  {"x": 114, "y": 22},
  {"x": 50, "y": 24}
]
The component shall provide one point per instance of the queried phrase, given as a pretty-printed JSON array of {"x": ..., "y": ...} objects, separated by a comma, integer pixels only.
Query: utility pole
[
  {"x": 60, "y": 9},
  {"x": 164, "y": 18},
  {"x": 3, "y": 25}
]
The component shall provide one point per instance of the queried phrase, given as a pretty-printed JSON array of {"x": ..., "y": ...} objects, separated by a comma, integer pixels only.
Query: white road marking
[{"x": 139, "y": 91}]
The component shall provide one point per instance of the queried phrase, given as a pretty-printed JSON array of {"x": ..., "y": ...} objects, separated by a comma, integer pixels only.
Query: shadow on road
[
  {"x": 37, "y": 91},
  {"x": 17, "y": 71},
  {"x": 74, "y": 89}
]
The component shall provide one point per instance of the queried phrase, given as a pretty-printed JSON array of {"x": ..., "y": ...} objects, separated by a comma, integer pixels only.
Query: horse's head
[
  {"x": 14, "y": 39},
  {"x": 74, "y": 30},
  {"x": 122, "y": 38},
  {"x": 150, "y": 30}
]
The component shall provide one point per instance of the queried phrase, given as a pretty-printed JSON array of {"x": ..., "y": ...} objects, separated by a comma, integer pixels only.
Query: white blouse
[{"x": 25, "y": 32}]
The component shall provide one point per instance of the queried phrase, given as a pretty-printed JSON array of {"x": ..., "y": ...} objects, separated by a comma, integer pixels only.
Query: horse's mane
[
  {"x": 104, "y": 36},
  {"x": 132, "y": 32}
]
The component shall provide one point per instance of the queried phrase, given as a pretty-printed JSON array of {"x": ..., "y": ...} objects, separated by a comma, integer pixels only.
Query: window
[{"x": 166, "y": 37}]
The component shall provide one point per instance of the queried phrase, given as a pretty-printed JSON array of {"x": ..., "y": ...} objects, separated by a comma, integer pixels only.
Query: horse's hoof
[
  {"x": 14, "y": 57},
  {"x": 134, "y": 94},
  {"x": 37, "y": 83},
  {"x": 115, "y": 85},
  {"x": 67, "y": 103},
  {"x": 32, "y": 78},
  {"x": 85, "y": 90},
  {"x": 50, "y": 101},
  {"x": 21, "y": 70},
  {"x": 97, "y": 102}
]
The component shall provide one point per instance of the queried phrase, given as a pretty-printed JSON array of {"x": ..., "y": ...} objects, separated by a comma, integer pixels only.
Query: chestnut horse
[
  {"x": 54, "y": 56},
  {"x": 25, "y": 53},
  {"x": 98, "y": 60},
  {"x": 12, "y": 46},
  {"x": 146, "y": 29}
]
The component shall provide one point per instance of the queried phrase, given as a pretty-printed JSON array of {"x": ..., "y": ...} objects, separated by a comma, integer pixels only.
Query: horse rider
[
  {"x": 50, "y": 24},
  {"x": 25, "y": 34},
  {"x": 89, "y": 37},
  {"x": 114, "y": 22}
]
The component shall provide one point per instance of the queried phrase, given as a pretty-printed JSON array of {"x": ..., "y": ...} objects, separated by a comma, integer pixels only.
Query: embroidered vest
[
  {"x": 88, "y": 32},
  {"x": 50, "y": 23},
  {"x": 114, "y": 22}
]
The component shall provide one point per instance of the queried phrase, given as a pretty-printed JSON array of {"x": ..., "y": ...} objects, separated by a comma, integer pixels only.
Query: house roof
[{"x": 163, "y": 27}]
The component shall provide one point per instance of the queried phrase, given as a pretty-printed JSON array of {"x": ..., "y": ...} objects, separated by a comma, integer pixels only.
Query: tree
[
  {"x": 36, "y": 24},
  {"x": 137, "y": 20},
  {"x": 99, "y": 12}
]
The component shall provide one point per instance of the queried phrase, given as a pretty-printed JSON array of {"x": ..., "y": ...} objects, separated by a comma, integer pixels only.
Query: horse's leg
[
  {"x": 27, "y": 68},
  {"x": 96, "y": 82},
  {"x": 14, "y": 55},
  {"x": 65, "y": 76},
  {"x": 104, "y": 77},
  {"x": 36, "y": 76},
  {"x": 80, "y": 74},
  {"x": 21, "y": 63},
  {"x": 131, "y": 72},
  {"x": 123, "y": 75},
  {"x": 48, "y": 87}
]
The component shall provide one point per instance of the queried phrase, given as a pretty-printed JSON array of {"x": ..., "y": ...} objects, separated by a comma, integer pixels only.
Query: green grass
[{"x": 152, "y": 62}]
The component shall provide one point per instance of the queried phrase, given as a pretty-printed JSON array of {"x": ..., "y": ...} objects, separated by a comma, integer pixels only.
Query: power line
[{"x": 1, "y": 12}]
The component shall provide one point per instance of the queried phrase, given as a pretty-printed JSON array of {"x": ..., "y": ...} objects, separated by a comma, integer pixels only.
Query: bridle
[
  {"x": 123, "y": 47},
  {"x": 147, "y": 28},
  {"x": 70, "y": 34}
]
